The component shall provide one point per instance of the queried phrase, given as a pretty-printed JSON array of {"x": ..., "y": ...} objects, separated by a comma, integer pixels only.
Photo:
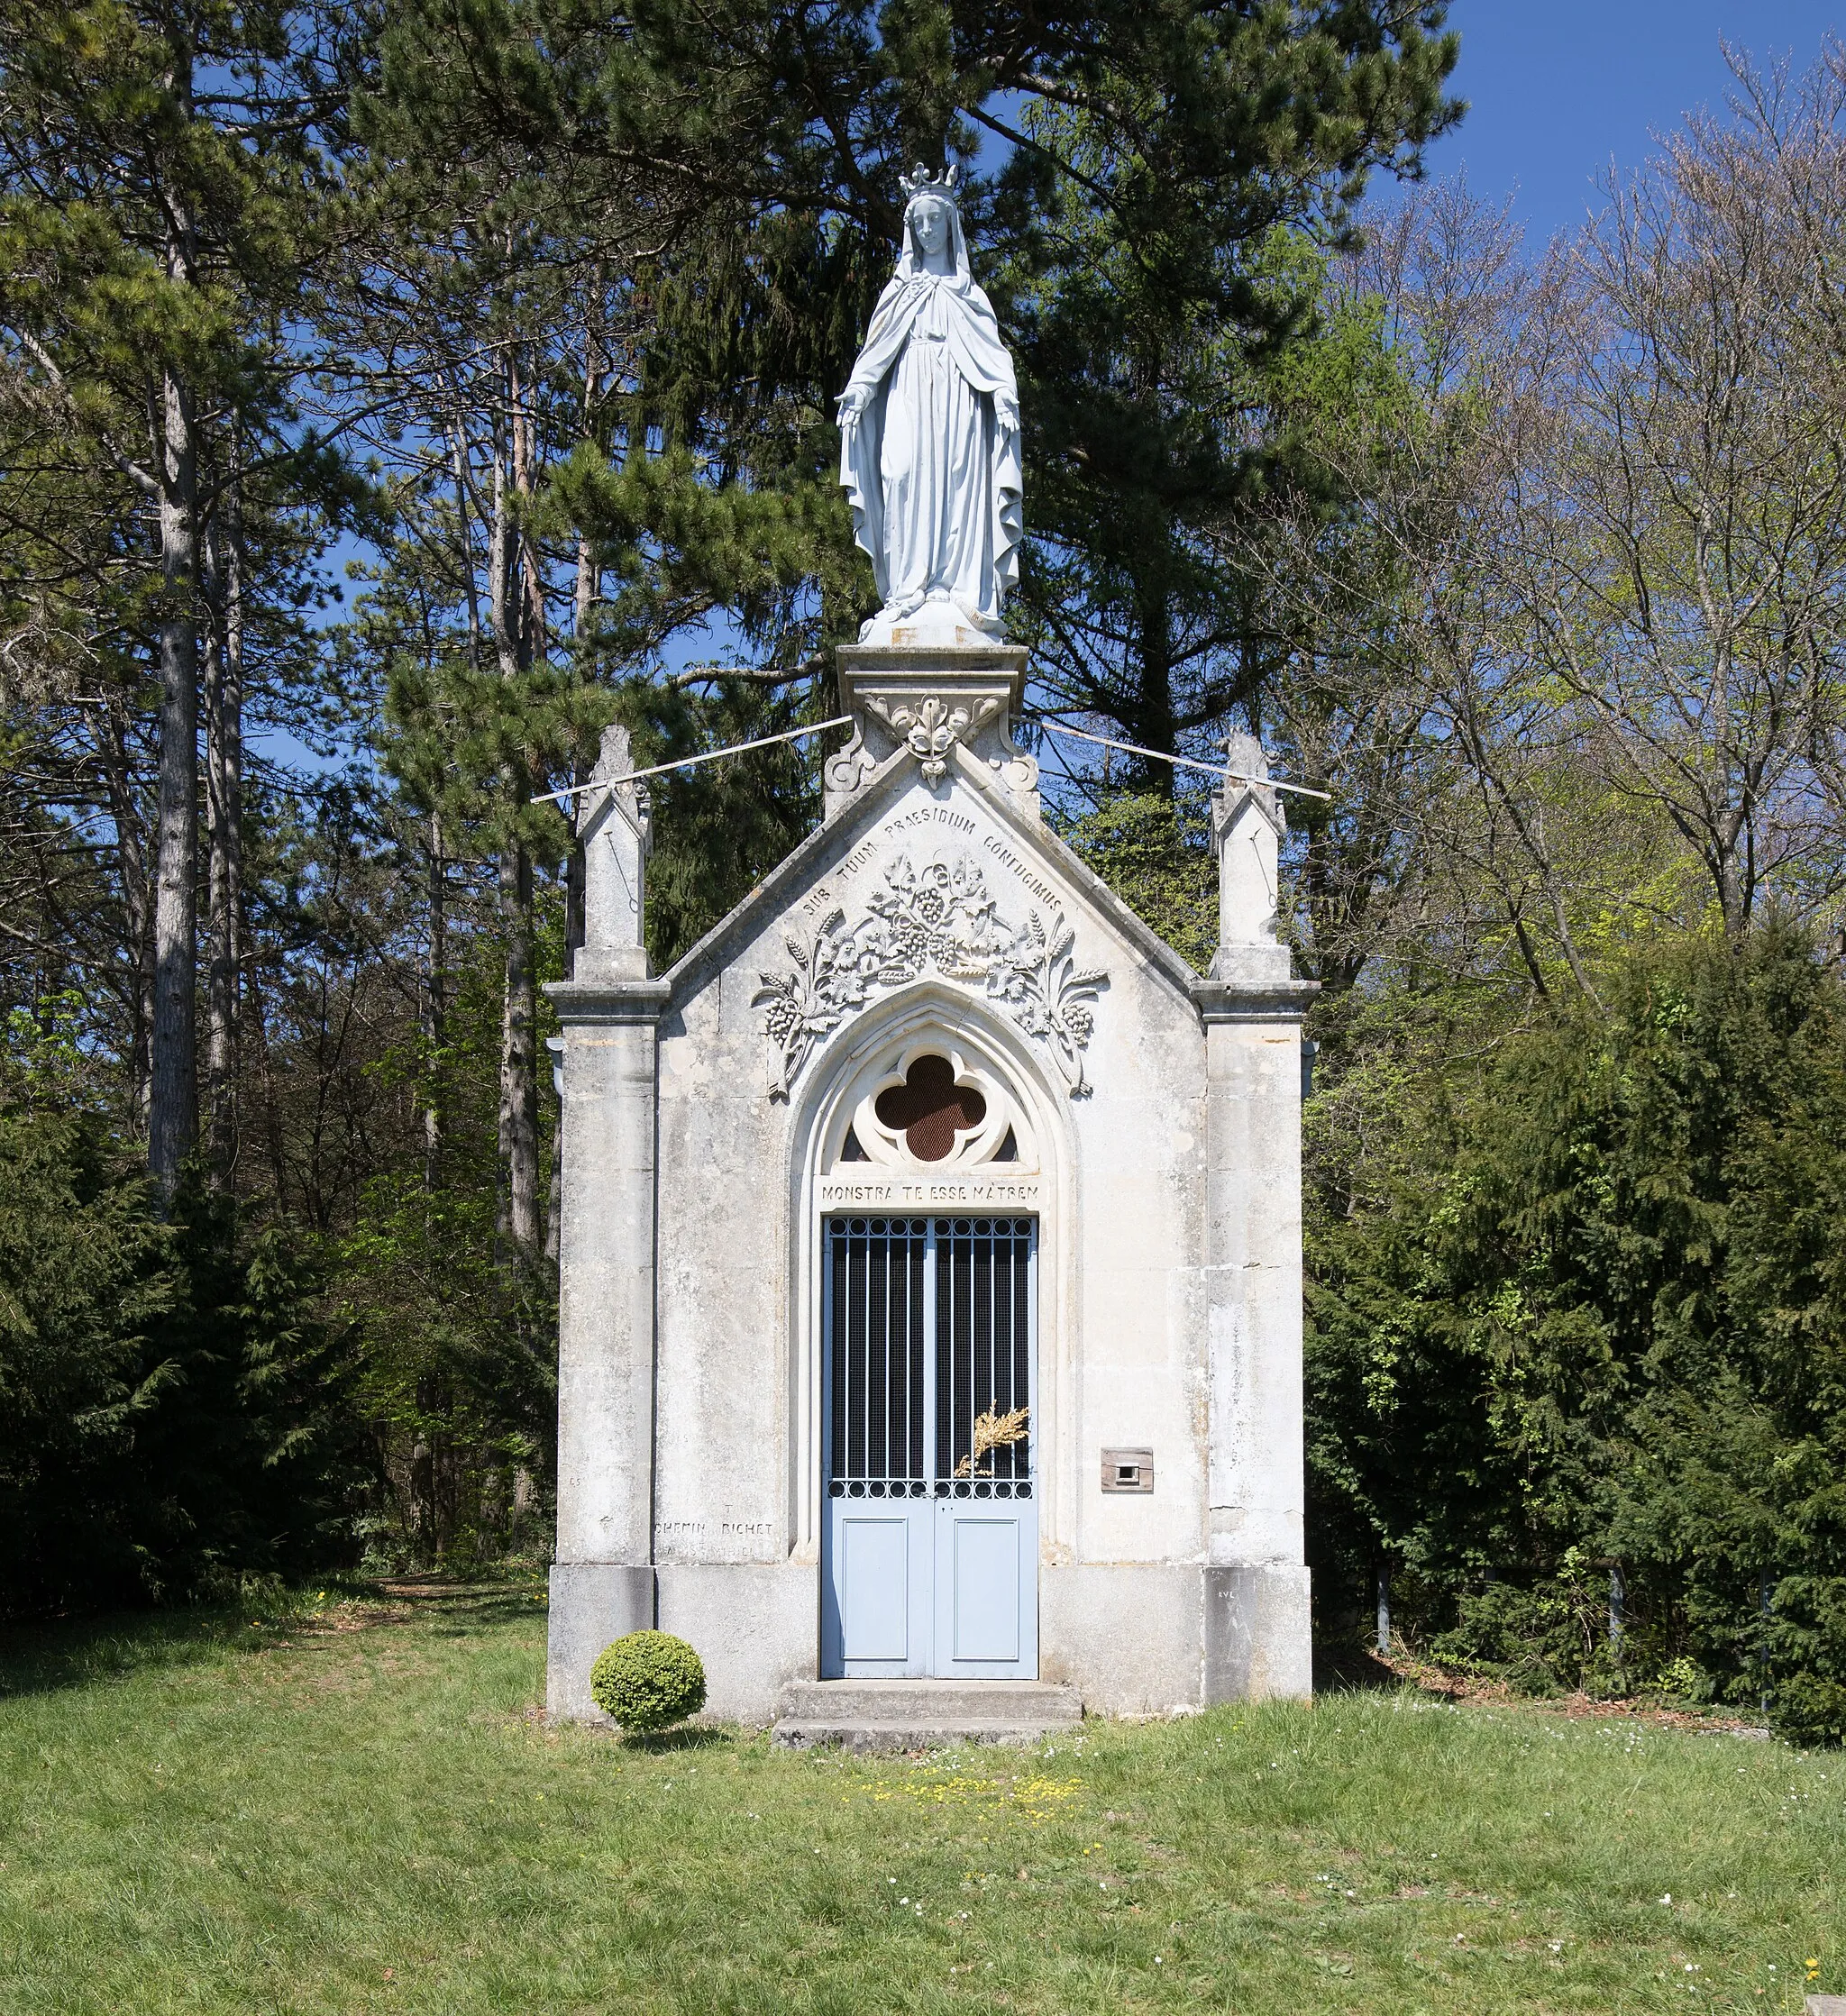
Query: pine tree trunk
[
  {"x": 587, "y": 588},
  {"x": 574, "y": 915},
  {"x": 518, "y": 1063},
  {"x": 465, "y": 541},
  {"x": 1155, "y": 725},
  {"x": 555, "y": 1210},
  {"x": 173, "y": 1103},
  {"x": 435, "y": 1027},
  {"x": 258, "y": 1028},
  {"x": 137, "y": 895},
  {"x": 519, "y": 1131},
  {"x": 224, "y": 806}
]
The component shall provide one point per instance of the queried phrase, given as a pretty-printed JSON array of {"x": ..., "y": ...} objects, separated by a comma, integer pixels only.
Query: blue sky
[{"x": 1555, "y": 87}]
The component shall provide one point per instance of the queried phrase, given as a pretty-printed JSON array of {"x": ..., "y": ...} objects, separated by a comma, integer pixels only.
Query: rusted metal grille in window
[{"x": 929, "y": 1338}]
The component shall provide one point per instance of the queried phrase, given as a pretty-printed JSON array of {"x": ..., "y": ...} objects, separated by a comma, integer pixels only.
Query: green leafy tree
[
  {"x": 1153, "y": 852},
  {"x": 1582, "y": 1308}
]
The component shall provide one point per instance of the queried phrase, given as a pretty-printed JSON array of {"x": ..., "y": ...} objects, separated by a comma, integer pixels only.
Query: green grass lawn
[{"x": 361, "y": 1811}]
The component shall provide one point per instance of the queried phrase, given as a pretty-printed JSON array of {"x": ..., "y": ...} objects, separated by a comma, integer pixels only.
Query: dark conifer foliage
[
  {"x": 178, "y": 1416},
  {"x": 1581, "y": 1312}
]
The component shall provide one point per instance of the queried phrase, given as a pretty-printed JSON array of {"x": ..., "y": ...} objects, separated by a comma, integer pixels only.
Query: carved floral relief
[
  {"x": 929, "y": 727},
  {"x": 939, "y": 918},
  {"x": 932, "y": 727}
]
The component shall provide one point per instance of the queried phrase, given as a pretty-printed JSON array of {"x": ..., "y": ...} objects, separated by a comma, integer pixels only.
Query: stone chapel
[{"x": 931, "y": 1263}]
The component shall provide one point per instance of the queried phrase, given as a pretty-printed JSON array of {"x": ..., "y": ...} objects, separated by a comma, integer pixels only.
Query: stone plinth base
[
  {"x": 755, "y": 1624},
  {"x": 1125, "y": 1635},
  {"x": 1153, "y": 1638},
  {"x": 592, "y": 1602},
  {"x": 1129, "y": 1638},
  {"x": 1259, "y": 1640}
]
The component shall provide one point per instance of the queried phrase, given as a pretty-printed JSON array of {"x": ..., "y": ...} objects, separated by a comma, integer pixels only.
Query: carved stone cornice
[
  {"x": 926, "y": 701},
  {"x": 606, "y": 1001},
  {"x": 1221, "y": 1000}
]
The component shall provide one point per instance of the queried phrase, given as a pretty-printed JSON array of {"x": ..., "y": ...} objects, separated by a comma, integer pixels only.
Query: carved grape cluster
[{"x": 941, "y": 919}]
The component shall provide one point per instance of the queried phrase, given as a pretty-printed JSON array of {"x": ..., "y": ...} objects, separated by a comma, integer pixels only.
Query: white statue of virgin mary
[{"x": 929, "y": 432}]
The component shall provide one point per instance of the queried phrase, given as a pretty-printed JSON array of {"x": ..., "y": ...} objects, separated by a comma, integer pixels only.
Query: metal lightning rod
[
  {"x": 1184, "y": 763},
  {"x": 686, "y": 763}
]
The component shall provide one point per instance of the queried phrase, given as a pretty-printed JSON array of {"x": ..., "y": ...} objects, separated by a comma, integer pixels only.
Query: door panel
[
  {"x": 983, "y": 1565},
  {"x": 930, "y": 1540},
  {"x": 876, "y": 1616},
  {"x": 875, "y": 1577}
]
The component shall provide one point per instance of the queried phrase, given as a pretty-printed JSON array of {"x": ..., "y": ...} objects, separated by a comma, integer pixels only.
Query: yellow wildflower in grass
[{"x": 1033, "y": 1799}]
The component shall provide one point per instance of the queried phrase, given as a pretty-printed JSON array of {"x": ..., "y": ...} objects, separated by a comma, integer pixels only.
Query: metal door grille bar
[
  {"x": 879, "y": 1283},
  {"x": 929, "y": 1328},
  {"x": 984, "y": 1361}
]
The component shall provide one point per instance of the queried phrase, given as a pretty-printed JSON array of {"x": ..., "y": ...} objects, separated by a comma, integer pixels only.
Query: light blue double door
[{"x": 930, "y": 1542}]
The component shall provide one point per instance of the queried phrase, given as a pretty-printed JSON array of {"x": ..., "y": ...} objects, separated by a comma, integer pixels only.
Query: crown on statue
[{"x": 921, "y": 182}]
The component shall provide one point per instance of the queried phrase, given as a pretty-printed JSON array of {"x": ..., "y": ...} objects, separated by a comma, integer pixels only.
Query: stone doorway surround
[{"x": 916, "y": 1020}]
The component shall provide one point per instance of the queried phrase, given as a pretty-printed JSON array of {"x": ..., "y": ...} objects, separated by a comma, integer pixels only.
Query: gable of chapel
[{"x": 951, "y": 879}]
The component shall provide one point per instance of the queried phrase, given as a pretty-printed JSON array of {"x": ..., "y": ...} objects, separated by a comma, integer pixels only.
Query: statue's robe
[{"x": 931, "y": 471}]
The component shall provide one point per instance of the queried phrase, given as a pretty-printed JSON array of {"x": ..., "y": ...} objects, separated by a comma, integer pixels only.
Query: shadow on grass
[
  {"x": 456, "y": 1609},
  {"x": 1353, "y": 1669},
  {"x": 92, "y": 1651},
  {"x": 39, "y": 1658},
  {"x": 695, "y": 1736},
  {"x": 1350, "y": 1668}
]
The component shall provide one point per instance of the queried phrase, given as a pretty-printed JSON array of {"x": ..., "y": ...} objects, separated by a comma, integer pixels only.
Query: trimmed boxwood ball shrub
[{"x": 648, "y": 1681}]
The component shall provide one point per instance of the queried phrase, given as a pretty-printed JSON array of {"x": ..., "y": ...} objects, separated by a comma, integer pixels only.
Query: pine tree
[{"x": 153, "y": 226}]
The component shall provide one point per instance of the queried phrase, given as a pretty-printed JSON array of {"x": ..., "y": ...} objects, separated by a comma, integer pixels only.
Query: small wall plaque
[{"x": 1127, "y": 1470}]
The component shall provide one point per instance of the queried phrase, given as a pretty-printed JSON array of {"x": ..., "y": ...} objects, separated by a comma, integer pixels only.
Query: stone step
[
  {"x": 866, "y": 1715},
  {"x": 872, "y": 1738},
  {"x": 892, "y": 1700}
]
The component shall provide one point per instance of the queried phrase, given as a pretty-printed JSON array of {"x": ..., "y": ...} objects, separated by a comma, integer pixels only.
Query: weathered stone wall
[{"x": 1167, "y": 1184}]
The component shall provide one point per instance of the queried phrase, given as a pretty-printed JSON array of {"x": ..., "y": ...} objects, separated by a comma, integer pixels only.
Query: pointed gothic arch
[{"x": 925, "y": 1009}]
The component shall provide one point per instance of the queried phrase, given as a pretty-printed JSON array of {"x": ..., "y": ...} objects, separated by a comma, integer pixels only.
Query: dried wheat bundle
[{"x": 993, "y": 1431}]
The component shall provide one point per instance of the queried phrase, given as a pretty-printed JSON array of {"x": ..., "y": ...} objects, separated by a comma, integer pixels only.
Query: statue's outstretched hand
[
  {"x": 1007, "y": 412},
  {"x": 852, "y": 403}
]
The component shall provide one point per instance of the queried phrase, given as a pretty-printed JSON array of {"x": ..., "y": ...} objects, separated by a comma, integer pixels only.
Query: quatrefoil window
[
  {"x": 929, "y": 1109},
  {"x": 932, "y": 1102}
]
